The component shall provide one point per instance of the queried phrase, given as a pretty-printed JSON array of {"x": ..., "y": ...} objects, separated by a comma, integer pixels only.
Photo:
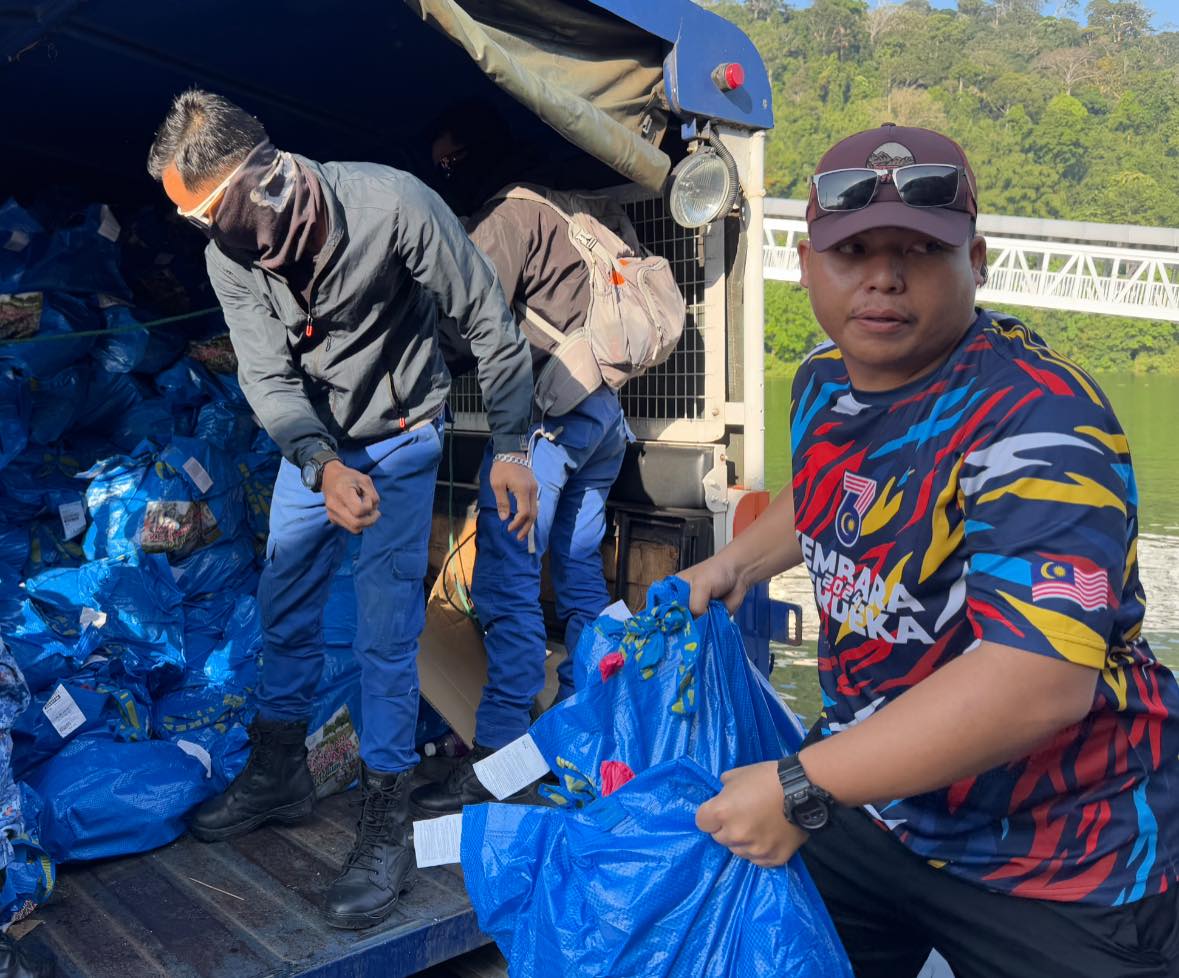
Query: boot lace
[
  {"x": 372, "y": 828},
  {"x": 460, "y": 775},
  {"x": 262, "y": 755}
]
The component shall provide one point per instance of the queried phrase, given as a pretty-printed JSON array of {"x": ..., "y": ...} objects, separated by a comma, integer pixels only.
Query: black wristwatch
[
  {"x": 312, "y": 471},
  {"x": 806, "y": 805}
]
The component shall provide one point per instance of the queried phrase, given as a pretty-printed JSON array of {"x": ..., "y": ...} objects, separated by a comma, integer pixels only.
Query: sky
[{"x": 1166, "y": 12}]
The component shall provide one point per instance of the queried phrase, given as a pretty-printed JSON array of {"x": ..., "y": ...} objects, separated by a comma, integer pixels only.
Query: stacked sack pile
[{"x": 134, "y": 497}]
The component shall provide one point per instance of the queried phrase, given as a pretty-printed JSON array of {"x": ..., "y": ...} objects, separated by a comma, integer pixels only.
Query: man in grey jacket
[{"x": 332, "y": 278}]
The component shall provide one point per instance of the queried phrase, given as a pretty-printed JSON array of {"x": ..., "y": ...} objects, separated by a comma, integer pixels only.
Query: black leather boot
[
  {"x": 19, "y": 962},
  {"x": 380, "y": 867},
  {"x": 462, "y": 787},
  {"x": 276, "y": 785}
]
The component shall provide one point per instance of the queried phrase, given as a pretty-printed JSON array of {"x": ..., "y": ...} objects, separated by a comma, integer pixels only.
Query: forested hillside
[{"x": 1060, "y": 119}]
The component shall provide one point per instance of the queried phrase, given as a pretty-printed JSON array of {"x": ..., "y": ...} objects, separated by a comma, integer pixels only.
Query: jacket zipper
[{"x": 401, "y": 421}]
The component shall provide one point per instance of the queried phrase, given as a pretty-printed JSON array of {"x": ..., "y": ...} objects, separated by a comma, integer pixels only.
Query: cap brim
[{"x": 949, "y": 227}]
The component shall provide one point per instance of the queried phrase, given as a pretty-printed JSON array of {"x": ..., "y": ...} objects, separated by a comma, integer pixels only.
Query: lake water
[{"x": 1147, "y": 406}]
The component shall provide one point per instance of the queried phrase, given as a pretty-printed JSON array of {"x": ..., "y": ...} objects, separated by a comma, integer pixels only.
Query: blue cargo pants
[
  {"x": 305, "y": 550},
  {"x": 575, "y": 464}
]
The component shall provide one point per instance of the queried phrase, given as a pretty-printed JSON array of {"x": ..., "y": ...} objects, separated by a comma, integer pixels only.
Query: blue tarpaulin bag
[
  {"x": 134, "y": 610},
  {"x": 221, "y": 670},
  {"x": 628, "y": 885},
  {"x": 187, "y": 497},
  {"x": 41, "y": 650},
  {"x": 187, "y": 385},
  {"x": 144, "y": 350},
  {"x": 49, "y": 548},
  {"x": 14, "y": 551},
  {"x": 81, "y": 257},
  {"x": 14, "y": 417},
  {"x": 30, "y": 876},
  {"x": 22, "y": 238},
  {"x": 39, "y": 344},
  {"x": 228, "y": 565},
  {"x": 39, "y": 481},
  {"x": 226, "y": 424},
  {"x": 661, "y": 686},
  {"x": 616, "y": 879},
  {"x": 89, "y": 700},
  {"x": 55, "y": 403},
  {"x": 111, "y": 401},
  {"x": 207, "y": 621},
  {"x": 106, "y": 798}
]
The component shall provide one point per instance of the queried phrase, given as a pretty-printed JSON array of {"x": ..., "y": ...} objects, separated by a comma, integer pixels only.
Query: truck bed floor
[{"x": 248, "y": 908}]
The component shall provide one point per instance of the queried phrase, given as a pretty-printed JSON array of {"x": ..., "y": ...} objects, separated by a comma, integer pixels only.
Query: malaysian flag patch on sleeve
[{"x": 1071, "y": 579}]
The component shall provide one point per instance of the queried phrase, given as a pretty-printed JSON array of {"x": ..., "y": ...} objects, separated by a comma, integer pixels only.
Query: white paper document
[
  {"x": 618, "y": 611},
  {"x": 73, "y": 519},
  {"x": 438, "y": 841},
  {"x": 63, "y": 712},
  {"x": 512, "y": 767}
]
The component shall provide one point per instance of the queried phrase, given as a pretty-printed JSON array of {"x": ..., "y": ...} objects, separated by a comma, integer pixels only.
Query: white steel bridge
[{"x": 1111, "y": 269}]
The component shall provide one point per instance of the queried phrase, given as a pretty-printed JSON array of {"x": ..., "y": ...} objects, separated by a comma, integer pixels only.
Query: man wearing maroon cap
[{"x": 995, "y": 773}]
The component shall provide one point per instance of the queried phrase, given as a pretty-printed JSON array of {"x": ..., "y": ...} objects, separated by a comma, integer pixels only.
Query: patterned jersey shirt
[{"x": 994, "y": 500}]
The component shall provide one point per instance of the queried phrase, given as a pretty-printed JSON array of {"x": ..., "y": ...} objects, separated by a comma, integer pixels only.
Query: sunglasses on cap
[
  {"x": 917, "y": 184},
  {"x": 200, "y": 215}
]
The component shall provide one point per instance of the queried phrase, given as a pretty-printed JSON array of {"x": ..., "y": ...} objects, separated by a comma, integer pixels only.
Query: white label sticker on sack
[
  {"x": 200, "y": 478},
  {"x": 73, "y": 519},
  {"x": 109, "y": 301},
  {"x": 18, "y": 240},
  {"x": 109, "y": 228},
  {"x": 618, "y": 611},
  {"x": 438, "y": 841},
  {"x": 197, "y": 751},
  {"x": 92, "y": 616},
  {"x": 512, "y": 768},
  {"x": 63, "y": 712}
]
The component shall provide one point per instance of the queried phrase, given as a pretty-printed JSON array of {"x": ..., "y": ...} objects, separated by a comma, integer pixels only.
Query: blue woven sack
[{"x": 616, "y": 879}]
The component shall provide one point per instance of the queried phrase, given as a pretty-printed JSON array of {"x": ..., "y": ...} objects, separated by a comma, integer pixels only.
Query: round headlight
[{"x": 700, "y": 189}]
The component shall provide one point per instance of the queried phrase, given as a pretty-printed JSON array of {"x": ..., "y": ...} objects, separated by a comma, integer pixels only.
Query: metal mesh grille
[
  {"x": 465, "y": 401},
  {"x": 675, "y": 389}
]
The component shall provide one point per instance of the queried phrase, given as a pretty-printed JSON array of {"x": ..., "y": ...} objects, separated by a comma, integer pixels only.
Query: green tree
[
  {"x": 1119, "y": 21},
  {"x": 1059, "y": 120},
  {"x": 1060, "y": 138},
  {"x": 831, "y": 27},
  {"x": 790, "y": 327}
]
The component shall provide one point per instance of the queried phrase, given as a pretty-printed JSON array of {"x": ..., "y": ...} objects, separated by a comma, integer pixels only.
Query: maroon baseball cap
[{"x": 889, "y": 147}]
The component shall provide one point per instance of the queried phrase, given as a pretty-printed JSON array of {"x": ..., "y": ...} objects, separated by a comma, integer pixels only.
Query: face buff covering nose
[{"x": 270, "y": 210}]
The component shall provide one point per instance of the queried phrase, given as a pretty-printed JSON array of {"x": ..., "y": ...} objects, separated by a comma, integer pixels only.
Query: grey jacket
[{"x": 364, "y": 362}]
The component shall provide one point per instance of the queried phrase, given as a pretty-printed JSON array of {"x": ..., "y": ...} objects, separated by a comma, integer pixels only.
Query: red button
[{"x": 728, "y": 75}]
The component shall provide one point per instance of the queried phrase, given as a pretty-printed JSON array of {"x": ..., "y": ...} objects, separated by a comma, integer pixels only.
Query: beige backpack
[{"x": 636, "y": 314}]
